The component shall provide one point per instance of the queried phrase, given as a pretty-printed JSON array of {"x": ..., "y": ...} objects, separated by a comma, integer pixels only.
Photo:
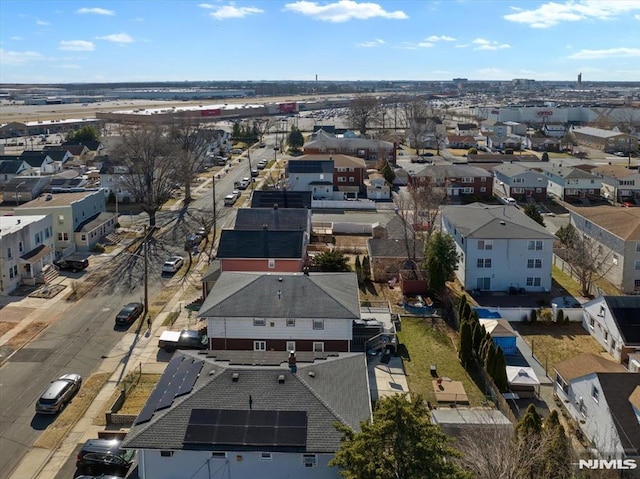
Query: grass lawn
[
  {"x": 427, "y": 346},
  {"x": 553, "y": 343},
  {"x": 573, "y": 287}
]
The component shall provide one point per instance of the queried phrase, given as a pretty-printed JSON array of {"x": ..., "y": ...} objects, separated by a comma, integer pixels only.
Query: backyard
[
  {"x": 428, "y": 345},
  {"x": 552, "y": 343}
]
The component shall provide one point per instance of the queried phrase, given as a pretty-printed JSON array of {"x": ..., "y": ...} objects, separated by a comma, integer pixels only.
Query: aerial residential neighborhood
[{"x": 281, "y": 261}]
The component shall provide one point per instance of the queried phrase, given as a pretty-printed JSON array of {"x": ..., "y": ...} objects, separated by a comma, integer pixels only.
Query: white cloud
[
  {"x": 343, "y": 11},
  {"x": 96, "y": 11},
  {"x": 18, "y": 58},
  {"x": 42, "y": 23},
  {"x": 76, "y": 45},
  {"x": 441, "y": 38},
  {"x": 462, "y": 45},
  {"x": 482, "y": 44},
  {"x": 117, "y": 38},
  {"x": 16, "y": 38},
  {"x": 552, "y": 13},
  {"x": 425, "y": 44},
  {"x": 607, "y": 53},
  {"x": 231, "y": 11},
  {"x": 637, "y": 17},
  {"x": 371, "y": 44}
]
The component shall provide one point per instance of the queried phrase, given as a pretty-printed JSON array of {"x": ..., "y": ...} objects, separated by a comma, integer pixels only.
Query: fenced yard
[
  {"x": 553, "y": 343},
  {"x": 426, "y": 345}
]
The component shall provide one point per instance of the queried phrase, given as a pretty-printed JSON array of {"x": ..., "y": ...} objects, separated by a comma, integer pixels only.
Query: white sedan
[{"x": 173, "y": 264}]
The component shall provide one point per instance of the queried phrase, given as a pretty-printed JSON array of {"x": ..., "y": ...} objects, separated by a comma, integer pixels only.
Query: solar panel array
[
  {"x": 233, "y": 427},
  {"x": 178, "y": 379}
]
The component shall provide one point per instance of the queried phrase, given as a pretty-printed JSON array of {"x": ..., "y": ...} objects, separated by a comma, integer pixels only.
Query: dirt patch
[
  {"x": 47, "y": 292},
  {"x": 138, "y": 396},
  {"x": 20, "y": 339},
  {"x": 351, "y": 243},
  {"x": 6, "y": 326},
  {"x": 59, "y": 429}
]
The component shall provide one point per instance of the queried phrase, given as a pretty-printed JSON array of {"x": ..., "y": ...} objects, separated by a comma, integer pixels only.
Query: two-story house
[
  {"x": 499, "y": 247},
  {"x": 10, "y": 167},
  {"x": 27, "y": 247},
  {"x": 554, "y": 130},
  {"x": 370, "y": 150},
  {"x": 614, "y": 321},
  {"x": 609, "y": 141},
  {"x": 40, "y": 163},
  {"x": 113, "y": 180},
  {"x": 571, "y": 184},
  {"x": 461, "y": 141},
  {"x": 349, "y": 173},
  {"x": 78, "y": 222},
  {"x": 250, "y": 415},
  {"x": 467, "y": 129},
  {"x": 459, "y": 180},
  {"x": 282, "y": 312},
  {"x": 619, "y": 184},
  {"x": 315, "y": 176},
  {"x": 517, "y": 181},
  {"x": 377, "y": 187},
  {"x": 601, "y": 397},
  {"x": 615, "y": 234}
]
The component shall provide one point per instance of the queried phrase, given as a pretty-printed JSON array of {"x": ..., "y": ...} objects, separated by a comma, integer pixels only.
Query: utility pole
[
  {"x": 251, "y": 178},
  {"x": 215, "y": 215},
  {"x": 146, "y": 277}
]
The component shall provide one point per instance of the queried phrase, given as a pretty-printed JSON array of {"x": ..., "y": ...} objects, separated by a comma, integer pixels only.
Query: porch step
[
  {"x": 113, "y": 238},
  {"x": 50, "y": 272}
]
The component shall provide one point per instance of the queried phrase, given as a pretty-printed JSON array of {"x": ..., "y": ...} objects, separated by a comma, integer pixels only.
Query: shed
[
  {"x": 502, "y": 333},
  {"x": 522, "y": 381}
]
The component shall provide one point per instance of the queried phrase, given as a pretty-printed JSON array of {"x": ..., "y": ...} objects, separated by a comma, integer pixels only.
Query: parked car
[
  {"x": 104, "y": 456},
  {"x": 262, "y": 165},
  {"x": 254, "y": 172},
  {"x": 426, "y": 153},
  {"x": 72, "y": 263},
  {"x": 173, "y": 264},
  {"x": 185, "y": 339},
  {"x": 243, "y": 185},
  {"x": 230, "y": 200},
  {"x": 58, "y": 394},
  {"x": 193, "y": 239},
  {"x": 129, "y": 313}
]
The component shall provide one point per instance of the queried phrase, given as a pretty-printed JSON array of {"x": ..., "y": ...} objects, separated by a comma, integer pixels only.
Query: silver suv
[{"x": 58, "y": 394}]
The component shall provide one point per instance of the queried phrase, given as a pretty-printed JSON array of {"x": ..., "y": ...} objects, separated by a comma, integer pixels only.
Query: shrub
[
  {"x": 98, "y": 248},
  {"x": 546, "y": 315},
  {"x": 560, "y": 317},
  {"x": 534, "y": 315}
]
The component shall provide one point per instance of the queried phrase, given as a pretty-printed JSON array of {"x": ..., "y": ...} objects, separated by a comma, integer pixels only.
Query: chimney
[
  {"x": 293, "y": 367},
  {"x": 281, "y": 379},
  {"x": 235, "y": 377}
]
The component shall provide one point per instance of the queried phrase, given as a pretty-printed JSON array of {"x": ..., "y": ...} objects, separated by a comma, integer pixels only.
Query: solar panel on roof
[
  {"x": 150, "y": 407},
  {"x": 190, "y": 378},
  {"x": 230, "y": 435},
  {"x": 262, "y": 418},
  {"x": 204, "y": 416},
  {"x": 291, "y": 436},
  {"x": 233, "y": 417},
  {"x": 171, "y": 391},
  {"x": 196, "y": 434},
  {"x": 261, "y": 436}
]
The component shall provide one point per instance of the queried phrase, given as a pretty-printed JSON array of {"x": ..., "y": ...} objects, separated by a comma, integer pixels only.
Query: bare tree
[
  {"x": 363, "y": 113},
  {"x": 262, "y": 127},
  {"x": 417, "y": 119},
  {"x": 192, "y": 145},
  {"x": 149, "y": 160},
  {"x": 588, "y": 261}
]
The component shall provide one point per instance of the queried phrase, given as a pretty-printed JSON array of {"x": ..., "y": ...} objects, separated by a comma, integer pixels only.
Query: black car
[
  {"x": 104, "y": 456},
  {"x": 72, "y": 263},
  {"x": 129, "y": 313}
]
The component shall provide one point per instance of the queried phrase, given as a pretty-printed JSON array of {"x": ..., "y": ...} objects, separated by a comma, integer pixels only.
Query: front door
[{"x": 484, "y": 284}]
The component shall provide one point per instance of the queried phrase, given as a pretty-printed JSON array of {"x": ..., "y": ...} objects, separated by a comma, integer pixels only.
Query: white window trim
[
  {"x": 259, "y": 345},
  {"x": 321, "y": 347}
]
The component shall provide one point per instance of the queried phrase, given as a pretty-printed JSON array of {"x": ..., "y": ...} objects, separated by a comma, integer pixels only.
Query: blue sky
[{"x": 140, "y": 40}]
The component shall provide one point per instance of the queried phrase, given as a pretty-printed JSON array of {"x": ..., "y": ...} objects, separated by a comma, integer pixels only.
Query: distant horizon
[{"x": 120, "y": 41}]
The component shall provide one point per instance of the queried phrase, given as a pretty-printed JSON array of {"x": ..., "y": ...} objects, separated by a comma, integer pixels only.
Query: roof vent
[
  {"x": 503, "y": 223},
  {"x": 280, "y": 279},
  {"x": 235, "y": 377},
  {"x": 281, "y": 379},
  {"x": 312, "y": 374}
]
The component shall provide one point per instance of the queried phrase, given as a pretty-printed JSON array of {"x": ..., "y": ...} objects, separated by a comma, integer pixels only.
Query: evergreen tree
[
  {"x": 401, "y": 442},
  {"x": 461, "y": 303},
  {"x": 500, "y": 371},
  {"x": 358, "y": 267},
  {"x": 490, "y": 362},
  {"x": 366, "y": 268},
  {"x": 466, "y": 312},
  {"x": 465, "y": 344},
  {"x": 557, "y": 450},
  {"x": 295, "y": 139},
  {"x": 388, "y": 173},
  {"x": 530, "y": 424},
  {"x": 473, "y": 317},
  {"x": 84, "y": 134},
  {"x": 331, "y": 261},
  {"x": 532, "y": 211},
  {"x": 441, "y": 260},
  {"x": 478, "y": 336}
]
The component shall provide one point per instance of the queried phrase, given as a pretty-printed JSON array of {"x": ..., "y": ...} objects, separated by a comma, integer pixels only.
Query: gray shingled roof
[
  {"x": 617, "y": 388},
  {"x": 478, "y": 220},
  {"x": 625, "y": 311},
  {"x": 393, "y": 248},
  {"x": 283, "y": 198},
  {"x": 513, "y": 169},
  {"x": 453, "y": 171},
  {"x": 569, "y": 172},
  {"x": 599, "y": 132},
  {"x": 260, "y": 244},
  {"x": 290, "y": 219},
  {"x": 322, "y": 397},
  {"x": 11, "y": 167},
  {"x": 316, "y": 295}
]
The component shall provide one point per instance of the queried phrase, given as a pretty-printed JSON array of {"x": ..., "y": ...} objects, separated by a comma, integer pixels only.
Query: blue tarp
[{"x": 484, "y": 313}]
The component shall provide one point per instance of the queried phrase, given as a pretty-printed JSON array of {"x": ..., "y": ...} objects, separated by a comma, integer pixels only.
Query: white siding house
[
  {"x": 27, "y": 247},
  {"x": 311, "y": 175},
  {"x": 571, "y": 183},
  {"x": 500, "y": 248}
]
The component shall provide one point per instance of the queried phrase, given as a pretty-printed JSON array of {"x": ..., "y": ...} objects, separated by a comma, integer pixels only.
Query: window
[
  {"x": 636, "y": 284},
  {"x": 318, "y": 347},
  {"x": 318, "y": 324},
  {"x": 613, "y": 341},
  {"x": 291, "y": 346},
  {"x": 484, "y": 263},
  {"x": 538, "y": 263},
  {"x": 309, "y": 460},
  {"x": 342, "y": 179},
  {"x": 530, "y": 263},
  {"x": 21, "y": 245},
  {"x": 606, "y": 335},
  {"x": 83, "y": 237},
  {"x": 259, "y": 345},
  {"x": 166, "y": 453},
  {"x": 483, "y": 189},
  {"x": 271, "y": 263},
  {"x": 468, "y": 191},
  {"x": 291, "y": 322},
  {"x": 535, "y": 245},
  {"x": 637, "y": 264},
  {"x": 563, "y": 385},
  {"x": 218, "y": 455},
  {"x": 47, "y": 232},
  {"x": 265, "y": 456},
  {"x": 467, "y": 179},
  {"x": 485, "y": 244},
  {"x": 9, "y": 253},
  {"x": 592, "y": 323},
  {"x": 595, "y": 394},
  {"x": 534, "y": 281},
  {"x": 63, "y": 236},
  {"x": 638, "y": 247},
  {"x": 483, "y": 179},
  {"x": 10, "y": 273},
  {"x": 259, "y": 322}
]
